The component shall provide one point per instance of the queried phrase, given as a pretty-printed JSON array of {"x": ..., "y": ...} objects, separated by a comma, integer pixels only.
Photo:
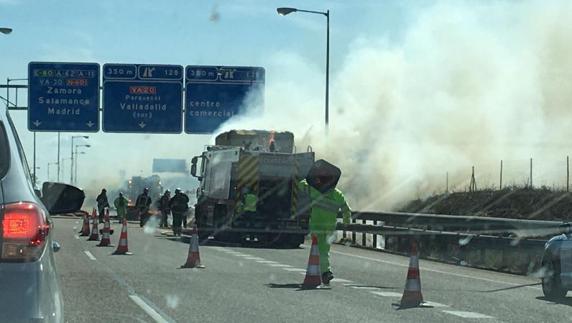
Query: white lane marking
[
  {"x": 267, "y": 262},
  {"x": 468, "y": 315},
  {"x": 253, "y": 258},
  {"x": 295, "y": 269},
  {"x": 435, "y": 270},
  {"x": 386, "y": 294},
  {"x": 434, "y": 304},
  {"x": 148, "y": 309},
  {"x": 280, "y": 265},
  {"x": 365, "y": 287},
  {"x": 89, "y": 255},
  {"x": 341, "y": 280}
]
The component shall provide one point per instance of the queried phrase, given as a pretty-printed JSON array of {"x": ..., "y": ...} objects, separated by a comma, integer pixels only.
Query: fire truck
[{"x": 264, "y": 163}]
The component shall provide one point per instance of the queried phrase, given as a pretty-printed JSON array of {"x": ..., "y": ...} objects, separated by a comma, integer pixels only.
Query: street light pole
[
  {"x": 76, "y": 154},
  {"x": 327, "y": 69},
  {"x": 58, "y": 156},
  {"x": 49, "y": 164},
  {"x": 283, "y": 11},
  {"x": 34, "y": 174},
  {"x": 72, "y": 158}
]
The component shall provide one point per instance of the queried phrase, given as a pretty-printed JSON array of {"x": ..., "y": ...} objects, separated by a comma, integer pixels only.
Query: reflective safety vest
[
  {"x": 250, "y": 201},
  {"x": 325, "y": 207},
  {"x": 249, "y": 204}
]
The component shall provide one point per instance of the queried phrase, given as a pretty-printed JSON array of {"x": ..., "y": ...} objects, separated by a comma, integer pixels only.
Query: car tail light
[{"x": 24, "y": 231}]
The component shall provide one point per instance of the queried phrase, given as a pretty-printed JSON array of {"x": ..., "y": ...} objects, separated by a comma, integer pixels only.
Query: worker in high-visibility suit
[
  {"x": 326, "y": 202},
  {"x": 120, "y": 204},
  {"x": 247, "y": 205}
]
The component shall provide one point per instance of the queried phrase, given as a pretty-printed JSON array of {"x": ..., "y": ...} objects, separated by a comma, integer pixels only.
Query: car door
[{"x": 33, "y": 269}]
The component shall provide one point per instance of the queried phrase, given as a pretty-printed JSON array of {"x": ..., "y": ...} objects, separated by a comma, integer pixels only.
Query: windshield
[
  {"x": 4, "y": 156},
  {"x": 292, "y": 161}
]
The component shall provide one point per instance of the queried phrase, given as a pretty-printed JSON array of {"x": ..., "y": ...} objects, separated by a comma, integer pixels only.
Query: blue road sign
[
  {"x": 142, "y": 98},
  {"x": 214, "y": 94},
  {"x": 63, "y": 97}
]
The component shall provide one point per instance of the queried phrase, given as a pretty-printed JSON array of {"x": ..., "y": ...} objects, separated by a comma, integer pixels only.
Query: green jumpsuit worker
[
  {"x": 324, "y": 210},
  {"x": 249, "y": 203},
  {"x": 120, "y": 204}
]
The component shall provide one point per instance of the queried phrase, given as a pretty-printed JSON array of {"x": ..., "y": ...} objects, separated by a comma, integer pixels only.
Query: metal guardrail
[
  {"x": 507, "y": 245},
  {"x": 466, "y": 224}
]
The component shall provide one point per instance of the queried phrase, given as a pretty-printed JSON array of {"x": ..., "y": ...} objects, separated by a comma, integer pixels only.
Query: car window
[
  {"x": 4, "y": 151},
  {"x": 20, "y": 150}
]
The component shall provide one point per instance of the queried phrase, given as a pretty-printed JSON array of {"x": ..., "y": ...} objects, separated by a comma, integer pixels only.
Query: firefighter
[
  {"x": 142, "y": 205},
  {"x": 186, "y": 214},
  {"x": 326, "y": 202},
  {"x": 179, "y": 205},
  {"x": 165, "y": 208},
  {"x": 102, "y": 203},
  {"x": 120, "y": 204}
]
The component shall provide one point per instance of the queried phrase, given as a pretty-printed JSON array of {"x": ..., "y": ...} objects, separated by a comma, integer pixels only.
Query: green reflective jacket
[
  {"x": 325, "y": 208},
  {"x": 249, "y": 203},
  {"x": 121, "y": 205}
]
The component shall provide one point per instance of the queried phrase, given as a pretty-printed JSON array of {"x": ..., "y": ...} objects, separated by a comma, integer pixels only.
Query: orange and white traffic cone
[
  {"x": 122, "y": 248},
  {"x": 85, "y": 227},
  {"x": 313, "y": 277},
  {"x": 105, "y": 240},
  {"x": 94, "y": 236},
  {"x": 412, "y": 296},
  {"x": 194, "y": 257}
]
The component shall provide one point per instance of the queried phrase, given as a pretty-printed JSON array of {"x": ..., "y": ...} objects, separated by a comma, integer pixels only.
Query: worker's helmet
[
  {"x": 146, "y": 190},
  {"x": 167, "y": 192},
  {"x": 177, "y": 191},
  {"x": 323, "y": 176}
]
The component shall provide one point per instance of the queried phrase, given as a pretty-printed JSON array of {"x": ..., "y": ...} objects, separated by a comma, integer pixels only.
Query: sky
[
  {"x": 420, "y": 91},
  {"x": 241, "y": 32}
]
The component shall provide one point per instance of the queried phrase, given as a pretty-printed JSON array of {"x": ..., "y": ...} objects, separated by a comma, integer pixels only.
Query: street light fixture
[
  {"x": 71, "y": 155},
  {"x": 5, "y": 30},
  {"x": 283, "y": 11}
]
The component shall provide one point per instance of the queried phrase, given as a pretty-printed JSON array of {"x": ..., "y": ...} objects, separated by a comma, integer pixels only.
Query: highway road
[{"x": 247, "y": 284}]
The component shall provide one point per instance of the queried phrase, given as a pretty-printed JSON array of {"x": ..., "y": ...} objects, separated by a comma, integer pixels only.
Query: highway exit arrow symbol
[
  {"x": 90, "y": 124},
  {"x": 37, "y": 123},
  {"x": 142, "y": 124}
]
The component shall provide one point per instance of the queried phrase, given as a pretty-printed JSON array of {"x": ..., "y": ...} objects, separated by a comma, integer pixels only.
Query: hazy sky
[
  {"x": 419, "y": 89},
  {"x": 233, "y": 32}
]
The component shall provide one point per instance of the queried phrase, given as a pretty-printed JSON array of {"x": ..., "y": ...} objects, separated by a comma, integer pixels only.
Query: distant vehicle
[
  {"x": 30, "y": 291},
  {"x": 264, "y": 163},
  {"x": 557, "y": 265}
]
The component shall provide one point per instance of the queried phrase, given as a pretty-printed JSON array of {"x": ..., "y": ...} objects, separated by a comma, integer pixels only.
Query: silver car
[{"x": 29, "y": 289}]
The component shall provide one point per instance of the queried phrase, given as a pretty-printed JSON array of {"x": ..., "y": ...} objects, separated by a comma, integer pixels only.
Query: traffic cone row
[
  {"x": 313, "y": 277},
  {"x": 193, "y": 258},
  {"x": 105, "y": 235},
  {"x": 94, "y": 236},
  {"x": 122, "y": 247},
  {"x": 412, "y": 296}
]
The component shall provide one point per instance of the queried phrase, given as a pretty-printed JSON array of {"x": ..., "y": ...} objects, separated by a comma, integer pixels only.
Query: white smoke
[{"x": 469, "y": 83}]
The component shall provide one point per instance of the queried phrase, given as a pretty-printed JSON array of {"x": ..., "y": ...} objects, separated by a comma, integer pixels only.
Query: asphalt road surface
[{"x": 241, "y": 284}]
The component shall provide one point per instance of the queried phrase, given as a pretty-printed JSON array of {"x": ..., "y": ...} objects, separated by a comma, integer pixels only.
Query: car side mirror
[
  {"x": 62, "y": 198},
  {"x": 194, "y": 168}
]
